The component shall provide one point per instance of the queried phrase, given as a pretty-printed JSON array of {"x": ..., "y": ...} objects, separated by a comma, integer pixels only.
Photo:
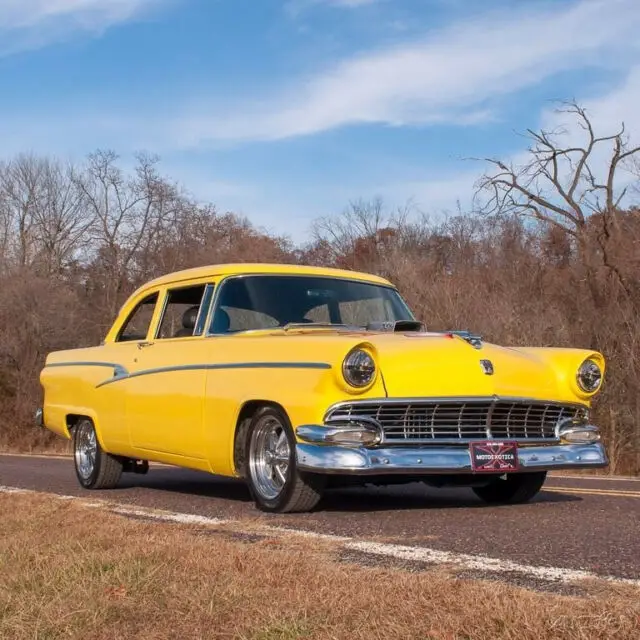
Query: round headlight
[
  {"x": 358, "y": 368},
  {"x": 589, "y": 376}
]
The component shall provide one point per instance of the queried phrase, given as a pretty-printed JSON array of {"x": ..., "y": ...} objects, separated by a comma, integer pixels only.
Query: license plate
[{"x": 494, "y": 457}]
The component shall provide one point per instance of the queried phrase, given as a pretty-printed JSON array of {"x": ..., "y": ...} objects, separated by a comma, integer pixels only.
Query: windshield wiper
[{"x": 316, "y": 325}]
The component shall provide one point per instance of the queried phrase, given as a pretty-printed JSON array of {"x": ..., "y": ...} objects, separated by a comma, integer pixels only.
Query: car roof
[{"x": 255, "y": 268}]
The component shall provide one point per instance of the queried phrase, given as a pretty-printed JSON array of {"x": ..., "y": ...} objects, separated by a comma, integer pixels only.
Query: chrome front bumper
[{"x": 437, "y": 459}]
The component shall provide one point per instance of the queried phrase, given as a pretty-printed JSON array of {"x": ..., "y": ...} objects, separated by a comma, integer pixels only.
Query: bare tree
[
  {"x": 42, "y": 214},
  {"x": 367, "y": 228},
  {"x": 63, "y": 221},
  {"x": 361, "y": 219},
  {"x": 562, "y": 184},
  {"x": 131, "y": 212},
  {"x": 21, "y": 194}
]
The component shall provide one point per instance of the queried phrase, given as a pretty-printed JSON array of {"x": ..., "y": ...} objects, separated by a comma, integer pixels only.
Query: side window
[
  {"x": 136, "y": 326},
  {"x": 185, "y": 312}
]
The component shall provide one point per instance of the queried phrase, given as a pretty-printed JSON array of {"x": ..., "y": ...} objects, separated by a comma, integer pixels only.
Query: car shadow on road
[
  {"x": 418, "y": 497},
  {"x": 191, "y": 483},
  {"x": 414, "y": 496}
]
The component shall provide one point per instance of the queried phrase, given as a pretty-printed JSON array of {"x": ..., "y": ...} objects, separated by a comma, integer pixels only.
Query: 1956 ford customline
[{"x": 298, "y": 378}]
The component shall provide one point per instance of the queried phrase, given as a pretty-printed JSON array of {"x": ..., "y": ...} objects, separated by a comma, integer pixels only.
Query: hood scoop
[
  {"x": 401, "y": 326},
  {"x": 414, "y": 326},
  {"x": 473, "y": 339}
]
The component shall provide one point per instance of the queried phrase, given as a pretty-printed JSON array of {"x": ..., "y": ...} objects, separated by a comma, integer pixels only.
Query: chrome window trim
[
  {"x": 222, "y": 283},
  {"x": 165, "y": 301},
  {"x": 205, "y": 305},
  {"x": 207, "y": 287}
]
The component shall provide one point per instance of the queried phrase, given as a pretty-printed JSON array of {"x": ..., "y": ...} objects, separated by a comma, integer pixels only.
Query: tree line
[{"x": 549, "y": 255}]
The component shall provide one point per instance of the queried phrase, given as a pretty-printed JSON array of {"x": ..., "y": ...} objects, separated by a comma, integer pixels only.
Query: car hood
[{"x": 414, "y": 365}]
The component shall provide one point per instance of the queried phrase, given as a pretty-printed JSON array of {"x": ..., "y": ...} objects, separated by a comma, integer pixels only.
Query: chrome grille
[{"x": 430, "y": 420}]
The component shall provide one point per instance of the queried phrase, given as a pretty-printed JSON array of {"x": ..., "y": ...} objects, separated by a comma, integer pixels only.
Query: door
[
  {"x": 118, "y": 357},
  {"x": 166, "y": 387}
]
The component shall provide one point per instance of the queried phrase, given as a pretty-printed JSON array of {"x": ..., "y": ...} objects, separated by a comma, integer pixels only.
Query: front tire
[
  {"x": 95, "y": 469},
  {"x": 516, "y": 488},
  {"x": 274, "y": 480}
]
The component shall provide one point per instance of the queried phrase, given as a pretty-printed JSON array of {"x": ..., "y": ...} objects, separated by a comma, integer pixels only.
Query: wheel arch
[
  {"x": 72, "y": 420},
  {"x": 246, "y": 413}
]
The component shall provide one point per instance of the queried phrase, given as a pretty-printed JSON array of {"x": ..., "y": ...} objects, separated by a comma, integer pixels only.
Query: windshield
[{"x": 264, "y": 302}]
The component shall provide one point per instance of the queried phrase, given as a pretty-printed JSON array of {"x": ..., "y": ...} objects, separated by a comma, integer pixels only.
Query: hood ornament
[{"x": 487, "y": 367}]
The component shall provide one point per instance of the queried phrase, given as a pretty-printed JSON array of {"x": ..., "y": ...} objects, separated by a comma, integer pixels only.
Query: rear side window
[
  {"x": 185, "y": 311},
  {"x": 136, "y": 326}
]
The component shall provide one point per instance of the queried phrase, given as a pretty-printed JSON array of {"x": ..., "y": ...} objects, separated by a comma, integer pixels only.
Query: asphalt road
[{"x": 574, "y": 523}]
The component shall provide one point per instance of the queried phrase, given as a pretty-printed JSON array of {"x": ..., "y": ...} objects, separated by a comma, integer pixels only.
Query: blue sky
[{"x": 285, "y": 110}]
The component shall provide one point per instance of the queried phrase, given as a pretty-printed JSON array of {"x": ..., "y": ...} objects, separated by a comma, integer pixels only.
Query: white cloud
[
  {"x": 620, "y": 105},
  {"x": 436, "y": 194},
  {"x": 31, "y": 24},
  {"x": 448, "y": 77}
]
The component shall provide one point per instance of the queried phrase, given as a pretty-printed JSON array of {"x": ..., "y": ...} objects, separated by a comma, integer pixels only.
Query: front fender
[
  {"x": 304, "y": 394},
  {"x": 566, "y": 362}
]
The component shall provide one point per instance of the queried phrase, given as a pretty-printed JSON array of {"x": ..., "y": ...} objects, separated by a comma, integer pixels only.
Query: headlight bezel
[
  {"x": 358, "y": 359},
  {"x": 586, "y": 370}
]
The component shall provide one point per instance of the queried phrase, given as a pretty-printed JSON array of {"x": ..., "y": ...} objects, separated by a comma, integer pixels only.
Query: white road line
[
  {"x": 420, "y": 554},
  {"x": 304, "y": 533},
  {"x": 14, "y": 490},
  {"x": 480, "y": 563},
  {"x": 166, "y": 516}
]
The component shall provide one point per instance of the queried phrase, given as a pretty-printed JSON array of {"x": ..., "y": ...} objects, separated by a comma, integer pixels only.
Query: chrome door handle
[{"x": 141, "y": 345}]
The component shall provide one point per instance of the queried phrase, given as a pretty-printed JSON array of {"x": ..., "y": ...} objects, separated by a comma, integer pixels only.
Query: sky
[{"x": 284, "y": 111}]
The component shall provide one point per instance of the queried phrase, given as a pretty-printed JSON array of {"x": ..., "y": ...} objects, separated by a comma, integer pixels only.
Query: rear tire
[
  {"x": 274, "y": 480},
  {"x": 516, "y": 488},
  {"x": 95, "y": 469}
]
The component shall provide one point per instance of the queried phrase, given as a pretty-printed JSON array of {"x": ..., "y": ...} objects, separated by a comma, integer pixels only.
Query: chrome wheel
[
  {"x": 269, "y": 455},
  {"x": 86, "y": 450}
]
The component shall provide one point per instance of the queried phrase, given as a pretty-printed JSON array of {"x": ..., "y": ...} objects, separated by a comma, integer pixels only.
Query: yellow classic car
[{"x": 298, "y": 378}]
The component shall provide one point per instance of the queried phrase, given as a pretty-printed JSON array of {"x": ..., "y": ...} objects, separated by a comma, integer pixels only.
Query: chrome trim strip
[
  {"x": 114, "y": 365},
  {"x": 210, "y": 367},
  {"x": 426, "y": 460}
]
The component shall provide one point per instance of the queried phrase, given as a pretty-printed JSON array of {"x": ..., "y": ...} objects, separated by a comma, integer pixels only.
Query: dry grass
[
  {"x": 69, "y": 571},
  {"x": 36, "y": 441}
]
